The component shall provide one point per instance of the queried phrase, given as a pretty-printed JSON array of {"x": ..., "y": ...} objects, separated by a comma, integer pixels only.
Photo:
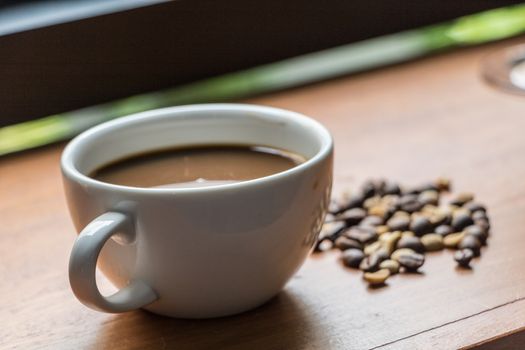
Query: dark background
[{"x": 72, "y": 65}]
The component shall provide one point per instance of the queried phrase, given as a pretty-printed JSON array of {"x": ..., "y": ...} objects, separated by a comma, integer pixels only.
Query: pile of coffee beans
[{"x": 384, "y": 228}]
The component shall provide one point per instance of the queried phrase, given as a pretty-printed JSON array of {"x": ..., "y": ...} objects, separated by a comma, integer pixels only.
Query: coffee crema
[{"x": 197, "y": 166}]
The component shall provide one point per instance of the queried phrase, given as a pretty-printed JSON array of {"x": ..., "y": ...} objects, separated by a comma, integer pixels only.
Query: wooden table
[{"x": 410, "y": 123}]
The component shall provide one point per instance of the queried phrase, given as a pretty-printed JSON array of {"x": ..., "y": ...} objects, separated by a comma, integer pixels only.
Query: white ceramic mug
[{"x": 195, "y": 252}]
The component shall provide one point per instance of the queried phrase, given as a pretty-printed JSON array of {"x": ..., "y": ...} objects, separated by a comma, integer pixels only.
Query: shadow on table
[{"x": 284, "y": 322}]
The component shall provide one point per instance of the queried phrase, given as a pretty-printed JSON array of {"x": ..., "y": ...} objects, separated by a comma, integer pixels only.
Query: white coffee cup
[{"x": 195, "y": 252}]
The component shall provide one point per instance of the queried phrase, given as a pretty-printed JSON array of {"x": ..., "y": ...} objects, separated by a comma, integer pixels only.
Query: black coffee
[{"x": 198, "y": 166}]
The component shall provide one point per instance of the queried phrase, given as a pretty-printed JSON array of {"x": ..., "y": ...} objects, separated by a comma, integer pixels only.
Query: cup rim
[{"x": 70, "y": 170}]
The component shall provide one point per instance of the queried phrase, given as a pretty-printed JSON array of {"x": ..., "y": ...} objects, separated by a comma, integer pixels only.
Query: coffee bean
[
  {"x": 390, "y": 265},
  {"x": 477, "y": 232},
  {"x": 333, "y": 207},
  {"x": 344, "y": 243},
  {"x": 463, "y": 257},
  {"x": 376, "y": 278},
  {"x": 421, "y": 225},
  {"x": 479, "y": 215},
  {"x": 440, "y": 217},
  {"x": 391, "y": 188},
  {"x": 352, "y": 257},
  {"x": 398, "y": 223},
  {"x": 361, "y": 234},
  {"x": 429, "y": 186},
  {"x": 443, "y": 230},
  {"x": 402, "y": 214},
  {"x": 380, "y": 210},
  {"x": 400, "y": 252},
  {"x": 432, "y": 242},
  {"x": 384, "y": 227},
  {"x": 389, "y": 240},
  {"x": 429, "y": 197},
  {"x": 409, "y": 203},
  {"x": 372, "y": 201},
  {"x": 322, "y": 245},
  {"x": 452, "y": 240},
  {"x": 462, "y": 198},
  {"x": 472, "y": 243},
  {"x": 371, "y": 262},
  {"x": 484, "y": 224},
  {"x": 473, "y": 206},
  {"x": 368, "y": 189},
  {"x": 461, "y": 220},
  {"x": 442, "y": 184},
  {"x": 352, "y": 216},
  {"x": 413, "y": 243},
  {"x": 371, "y": 221},
  {"x": 381, "y": 229},
  {"x": 407, "y": 234},
  {"x": 332, "y": 230},
  {"x": 411, "y": 262},
  {"x": 354, "y": 201},
  {"x": 372, "y": 248}
]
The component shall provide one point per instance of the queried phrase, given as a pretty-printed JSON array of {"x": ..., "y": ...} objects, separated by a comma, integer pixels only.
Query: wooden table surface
[{"x": 410, "y": 123}]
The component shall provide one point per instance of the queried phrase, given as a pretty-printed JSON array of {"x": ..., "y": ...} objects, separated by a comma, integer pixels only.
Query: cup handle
[{"x": 83, "y": 263}]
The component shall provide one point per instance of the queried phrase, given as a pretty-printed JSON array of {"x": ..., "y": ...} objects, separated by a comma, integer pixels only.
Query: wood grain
[{"x": 410, "y": 123}]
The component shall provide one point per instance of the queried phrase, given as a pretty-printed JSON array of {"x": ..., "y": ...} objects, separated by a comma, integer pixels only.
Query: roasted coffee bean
[
  {"x": 462, "y": 198},
  {"x": 398, "y": 223},
  {"x": 390, "y": 265},
  {"x": 413, "y": 243},
  {"x": 323, "y": 245},
  {"x": 442, "y": 184},
  {"x": 472, "y": 243},
  {"x": 463, "y": 257},
  {"x": 440, "y": 217},
  {"x": 402, "y": 214},
  {"x": 344, "y": 243},
  {"x": 332, "y": 230},
  {"x": 443, "y": 230},
  {"x": 372, "y": 201},
  {"x": 477, "y": 232},
  {"x": 361, "y": 234},
  {"x": 429, "y": 197},
  {"x": 479, "y": 215},
  {"x": 401, "y": 251},
  {"x": 389, "y": 240},
  {"x": 372, "y": 248},
  {"x": 473, "y": 206},
  {"x": 354, "y": 201},
  {"x": 376, "y": 278},
  {"x": 407, "y": 234},
  {"x": 411, "y": 262},
  {"x": 379, "y": 185},
  {"x": 432, "y": 242},
  {"x": 382, "y": 229},
  {"x": 371, "y": 221},
  {"x": 411, "y": 207},
  {"x": 371, "y": 262},
  {"x": 452, "y": 240},
  {"x": 381, "y": 210},
  {"x": 483, "y": 223},
  {"x": 333, "y": 207},
  {"x": 409, "y": 203},
  {"x": 352, "y": 257},
  {"x": 421, "y": 225},
  {"x": 391, "y": 188},
  {"x": 371, "y": 227},
  {"x": 461, "y": 220},
  {"x": 352, "y": 216},
  {"x": 368, "y": 189},
  {"x": 429, "y": 186}
]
